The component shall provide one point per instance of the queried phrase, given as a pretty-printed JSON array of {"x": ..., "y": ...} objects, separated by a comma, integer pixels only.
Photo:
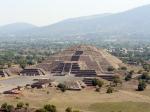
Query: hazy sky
[{"x": 44, "y": 12}]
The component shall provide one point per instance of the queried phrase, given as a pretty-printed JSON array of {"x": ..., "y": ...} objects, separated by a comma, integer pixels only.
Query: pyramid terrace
[{"x": 81, "y": 61}]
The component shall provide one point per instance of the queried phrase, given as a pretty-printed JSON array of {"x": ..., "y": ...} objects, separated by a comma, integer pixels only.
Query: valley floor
[{"x": 86, "y": 100}]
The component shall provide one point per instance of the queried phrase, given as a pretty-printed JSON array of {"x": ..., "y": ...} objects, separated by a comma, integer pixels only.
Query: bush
[
  {"x": 62, "y": 87},
  {"x": 110, "y": 90},
  {"x": 50, "y": 108},
  {"x": 27, "y": 104},
  {"x": 146, "y": 67},
  {"x": 131, "y": 72},
  {"x": 69, "y": 109},
  {"x": 123, "y": 68},
  {"x": 140, "y": 71},
  {"x": 117, "y": 80},
  {"x": 47, "y": 92},
  {"x": 41, "y": 110},
  {"x": 10, "y": 108},
  {"x": 145, "y": 76},
  {"x": 97, "y": 82},
  {"x": 76, "y": 111},
  {"x": 20, "y": 105},
  {"x": 110, "y": 68},
  {"x": 4, "y": 105},
  {"x": 97, "y": 89},
  {"x": 7, "y": 108},
  {"x": 17, "y": 97},
  {"x": 142, "y": 85},
  {"x": 129, "y": 76}
]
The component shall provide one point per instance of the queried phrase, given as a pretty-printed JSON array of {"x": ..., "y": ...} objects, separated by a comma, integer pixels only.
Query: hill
[
  {"x": 132, "y": 24},
  {"x": 15, "y": 29}
]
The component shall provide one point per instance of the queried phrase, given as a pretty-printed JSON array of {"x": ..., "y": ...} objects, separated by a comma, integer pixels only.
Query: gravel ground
[{"x": 10, "y": 83}]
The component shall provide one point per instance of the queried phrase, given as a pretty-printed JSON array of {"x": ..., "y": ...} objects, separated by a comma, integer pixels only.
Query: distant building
[
  {"x": 4, "y": 73},
  {"x": 41, "y": 84},
  {"x": 32, "y": 72}
]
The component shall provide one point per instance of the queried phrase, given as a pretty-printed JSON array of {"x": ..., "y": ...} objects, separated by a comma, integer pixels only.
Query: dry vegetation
[{"x": 87, "y": 100}]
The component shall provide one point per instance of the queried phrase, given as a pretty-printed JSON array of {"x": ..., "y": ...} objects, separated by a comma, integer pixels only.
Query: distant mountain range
[
  {"x": 15, "y": 28},
  {"x": 133, "y": 23}
]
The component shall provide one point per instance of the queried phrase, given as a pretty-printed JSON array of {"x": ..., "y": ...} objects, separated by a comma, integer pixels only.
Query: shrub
[
  {"x": 123, "y": 68},
  {"x": 41, "y": 110},
  {"x": 76, "y": 111},
  {"x": 110, "y": 90},
  {"x": 146, "y": 67},
  {"x": 50, "y": 108},
  {"x": 27, "y": 104},
  {"x": 97, "y": 89},
  {"x": 62, "y": 87},
  {"x": 142, "y": 85},
  {"x": 10, "y": 108},
  {"x": 4, "y": 105},
  {"x": 129, "y": 76},
  {"x": 20, "y": 105},
  {"x": 47, "y": 92},
  {"x": 117, "y": 80},
  {"x": 97, "y": 82},
  {"x": 17, "y": 97},
  {"x": 69, "y": 109},
  {"x": 131, "y": 72},
  {"x": 140, "y": 71},
  {"x": 7, "y": 108},
  {"x": 100, "y": 83},
  {"x": 145, "y": 76},
  {"x": 110, "y": 68}
]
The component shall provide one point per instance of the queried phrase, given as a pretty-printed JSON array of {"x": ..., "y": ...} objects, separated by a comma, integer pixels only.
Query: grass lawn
[{"x": 120, "y": 107}]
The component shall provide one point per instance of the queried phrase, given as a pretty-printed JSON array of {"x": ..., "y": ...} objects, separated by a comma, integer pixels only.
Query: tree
[
  {"x": 50, "y": 108},
  {"x": 22, "y": 62},
  {"x": 31, "y": 62},
  {"x": 23, "y": 65},
  {"x": 146, "y": 67},
  {"x": 142, "y": 85}
]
